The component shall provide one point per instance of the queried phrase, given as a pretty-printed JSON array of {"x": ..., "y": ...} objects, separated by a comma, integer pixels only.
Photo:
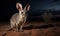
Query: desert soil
[{"x": 49, "y": 31}]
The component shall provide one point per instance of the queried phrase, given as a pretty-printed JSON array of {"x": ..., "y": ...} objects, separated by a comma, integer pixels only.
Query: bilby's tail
[{"x": 4, "y": 33}]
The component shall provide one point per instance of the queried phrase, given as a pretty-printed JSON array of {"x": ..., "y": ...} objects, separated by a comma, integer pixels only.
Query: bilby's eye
[{"x": 21, "y": 12}]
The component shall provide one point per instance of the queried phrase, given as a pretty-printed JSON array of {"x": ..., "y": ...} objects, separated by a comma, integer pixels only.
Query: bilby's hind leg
[
  {"x": 21, "y": 28},
  {"x": 12, "y": 27}
]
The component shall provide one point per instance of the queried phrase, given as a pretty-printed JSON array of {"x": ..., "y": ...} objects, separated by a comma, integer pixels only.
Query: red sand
[{"x": 55, "y": 31}]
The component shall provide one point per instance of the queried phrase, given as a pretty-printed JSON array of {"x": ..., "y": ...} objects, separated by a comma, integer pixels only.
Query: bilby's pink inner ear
[
  {"x": 19, "y": 6},
  {"x": 27, "y": 7}
]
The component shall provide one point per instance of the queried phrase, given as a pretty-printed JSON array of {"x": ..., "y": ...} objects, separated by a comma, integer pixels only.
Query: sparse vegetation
[{"x": 47, "y": 16}]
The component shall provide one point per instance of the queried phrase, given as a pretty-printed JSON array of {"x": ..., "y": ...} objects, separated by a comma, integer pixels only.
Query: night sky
[{"x": 8, "y": 8}]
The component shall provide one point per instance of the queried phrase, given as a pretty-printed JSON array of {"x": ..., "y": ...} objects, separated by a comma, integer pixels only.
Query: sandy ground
[{"x": 50, "y": 31}]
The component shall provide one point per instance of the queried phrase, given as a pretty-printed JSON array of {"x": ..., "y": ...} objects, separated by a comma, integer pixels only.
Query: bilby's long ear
[
  {"x": 27, "y": 7},
  {"x": 19, "y": 6}
]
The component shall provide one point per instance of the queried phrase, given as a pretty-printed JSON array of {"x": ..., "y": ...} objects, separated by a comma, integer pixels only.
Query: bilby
[{"x": 19, "y": 19}]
